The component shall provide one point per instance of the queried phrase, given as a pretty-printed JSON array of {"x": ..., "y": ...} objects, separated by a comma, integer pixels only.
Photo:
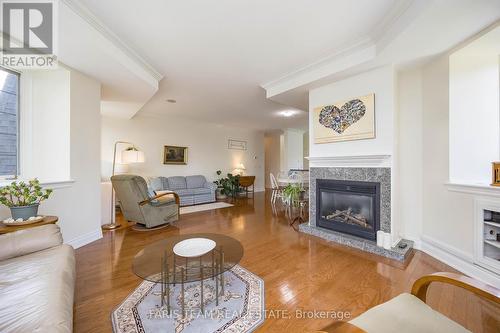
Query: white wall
[
  {"x": 474, "y": 109},
  {"x": 272, "y": 144},
  {"x": 293, "y": 149},
  {"x": 439, "y": 220},
  {"x": 207, "y": 145},
  {"x": 379, "y": 81},
  {"x": 305, "y": 143},
  {"x": 410, "y": 153},
  {"x": 78, "y": 203},
  {"x": 448, "y": 217}
]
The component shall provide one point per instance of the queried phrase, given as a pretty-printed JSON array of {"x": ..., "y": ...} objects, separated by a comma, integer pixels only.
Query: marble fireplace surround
[{"x": 381, "y": 175}]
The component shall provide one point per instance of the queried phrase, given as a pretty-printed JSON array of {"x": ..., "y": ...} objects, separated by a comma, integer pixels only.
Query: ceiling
[
  {"x": 215, "y": 56},
  {"x": 422, "y": 30}
]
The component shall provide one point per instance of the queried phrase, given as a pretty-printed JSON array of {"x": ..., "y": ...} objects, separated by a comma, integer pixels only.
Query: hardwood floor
[{"x": 301, "y": 272}]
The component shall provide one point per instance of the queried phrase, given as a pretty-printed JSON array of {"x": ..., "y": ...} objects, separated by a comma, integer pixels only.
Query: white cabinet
[{"x": 487, "y": 234}]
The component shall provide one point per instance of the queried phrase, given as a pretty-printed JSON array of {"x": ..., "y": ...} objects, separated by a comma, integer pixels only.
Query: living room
[{"x": 240, "y": 167}]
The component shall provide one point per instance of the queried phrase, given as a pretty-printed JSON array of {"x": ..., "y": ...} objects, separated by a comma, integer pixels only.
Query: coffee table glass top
[{"x": 149, "y": 261}]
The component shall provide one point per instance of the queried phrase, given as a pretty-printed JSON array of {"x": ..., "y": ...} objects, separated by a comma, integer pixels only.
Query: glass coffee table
[{"x": 188, "y": 258}]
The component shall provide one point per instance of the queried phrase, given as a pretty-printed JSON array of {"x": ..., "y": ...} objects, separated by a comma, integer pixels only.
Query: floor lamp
[{"x": 129, "y": 156}]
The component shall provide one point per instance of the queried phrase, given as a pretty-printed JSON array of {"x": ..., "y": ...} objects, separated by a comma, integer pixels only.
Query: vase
[{"x": 24, "y": 212}]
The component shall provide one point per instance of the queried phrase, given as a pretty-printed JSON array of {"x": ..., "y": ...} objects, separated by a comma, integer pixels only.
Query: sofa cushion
[
  {"x": 195, "y": 181},
  {"x": 184, "y": 192},
  {"x": 155, "y": 183},
  {"x": 36, "y": 291},
  {"x": 164, "y": 183},
  {"x": 177, "y": 182},
  {"x": 201, "y": 190},
  {"x": 405, "y": 313},
  {"x": 30, "y": 240}
]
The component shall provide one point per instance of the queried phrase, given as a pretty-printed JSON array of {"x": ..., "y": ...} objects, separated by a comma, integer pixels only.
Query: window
[
  {"x": 474, "y": 116},
  {"x": 9, "y": 123}
]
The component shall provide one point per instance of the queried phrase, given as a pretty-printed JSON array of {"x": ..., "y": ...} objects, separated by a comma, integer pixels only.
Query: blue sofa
[{"x": 192, "y": 190}]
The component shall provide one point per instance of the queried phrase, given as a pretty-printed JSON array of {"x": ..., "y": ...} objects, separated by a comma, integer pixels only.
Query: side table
[{"x": 5, "y": 229}]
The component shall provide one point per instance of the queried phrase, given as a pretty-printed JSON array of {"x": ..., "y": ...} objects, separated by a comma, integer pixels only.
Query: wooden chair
[
  {"x": 408, "y": 312},
  {"x": 276, "y": 190}
]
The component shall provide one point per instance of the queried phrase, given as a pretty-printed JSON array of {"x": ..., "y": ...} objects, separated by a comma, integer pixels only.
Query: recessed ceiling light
[
  {"x": 287, "y": 113},
  {"x": 170, "y": 100}
]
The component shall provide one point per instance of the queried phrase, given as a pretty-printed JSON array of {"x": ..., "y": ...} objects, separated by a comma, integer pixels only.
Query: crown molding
[
  {"x": 355, "y": 53},
  {"x": 95, "y": 23},
  {"x": 390, "y": 19}
]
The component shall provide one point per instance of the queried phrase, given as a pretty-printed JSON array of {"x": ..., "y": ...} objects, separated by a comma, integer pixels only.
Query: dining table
[{"x": 284, "y": 180}]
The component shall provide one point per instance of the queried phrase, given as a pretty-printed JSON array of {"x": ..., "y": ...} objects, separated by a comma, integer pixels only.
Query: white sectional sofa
[{"x": 37, "y": 280}]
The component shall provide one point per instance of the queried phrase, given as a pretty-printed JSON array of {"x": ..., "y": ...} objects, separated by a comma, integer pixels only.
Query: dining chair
[{"x": 276, "y": 190}]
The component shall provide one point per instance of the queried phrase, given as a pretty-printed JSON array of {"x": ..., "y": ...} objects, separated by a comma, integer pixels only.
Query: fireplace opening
[{"x": 350, "y": 207}]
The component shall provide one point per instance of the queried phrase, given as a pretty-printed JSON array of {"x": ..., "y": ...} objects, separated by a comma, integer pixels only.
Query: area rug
[
  {"x": 200, "y": 208},
  {"x": 241, "y": 308}
]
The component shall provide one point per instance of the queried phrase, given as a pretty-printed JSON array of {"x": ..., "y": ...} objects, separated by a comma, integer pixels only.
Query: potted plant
[
  {"x": 221, "y": 186},
  {"x": 234, "y": 184},
  {"x": 227, "y": 186},
  {"x": 23, "y": 198},
  {"x": 292, "y": 193}
]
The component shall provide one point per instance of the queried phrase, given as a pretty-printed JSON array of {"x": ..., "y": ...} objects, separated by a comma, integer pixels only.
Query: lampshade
[
  {"x": 239, "y": 169},
  {"x": 132, "y": 156}
]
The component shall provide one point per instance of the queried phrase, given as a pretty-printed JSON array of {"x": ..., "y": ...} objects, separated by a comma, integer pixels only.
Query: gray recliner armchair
[{"x": 139, "y": 206}]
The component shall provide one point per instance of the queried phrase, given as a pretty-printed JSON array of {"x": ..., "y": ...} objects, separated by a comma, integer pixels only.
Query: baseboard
[
  {"x": 85, "y": 238},
  {"x": 458, "y": 259}
]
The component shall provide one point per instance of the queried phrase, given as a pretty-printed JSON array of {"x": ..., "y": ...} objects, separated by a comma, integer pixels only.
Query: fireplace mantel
[{"x": 352, "y": 161}]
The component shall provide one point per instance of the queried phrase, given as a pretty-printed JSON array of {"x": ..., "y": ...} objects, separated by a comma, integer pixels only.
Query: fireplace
[{"x": 351, "y": 207}]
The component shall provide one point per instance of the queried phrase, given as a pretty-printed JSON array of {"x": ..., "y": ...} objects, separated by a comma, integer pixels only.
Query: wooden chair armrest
[
  {"x": 176, "y": 196},
  {"x": 479, "y": 288}
]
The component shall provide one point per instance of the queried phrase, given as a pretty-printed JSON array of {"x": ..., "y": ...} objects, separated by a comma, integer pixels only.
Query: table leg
[
  {"x": 222, "y": 272},
  {"x": 175, "y": 268},
  {"x": 162, "y": 280},
  {"x": 167, "y": 285},
  {"x": 182, "y": 292},
  {"x": 201, "y": 275},
  {"x": 217, "y": 284},
  {"x": 213, "y": 262}
]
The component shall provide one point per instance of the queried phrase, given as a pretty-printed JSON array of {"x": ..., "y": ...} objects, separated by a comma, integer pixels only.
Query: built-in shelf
[
  {"x": 493, "y": 224},
  {"x": 487, "y": 231},
  {"x": 493, "y": 243}
]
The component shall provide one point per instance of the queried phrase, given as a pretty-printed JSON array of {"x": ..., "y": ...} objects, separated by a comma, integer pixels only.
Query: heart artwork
[{"x": 340, "y": 119}]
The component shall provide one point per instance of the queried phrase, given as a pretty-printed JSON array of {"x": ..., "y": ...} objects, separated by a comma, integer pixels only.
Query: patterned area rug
[
  {"x": 199, "y": 208},
  {"x": 241, "y": 308}
]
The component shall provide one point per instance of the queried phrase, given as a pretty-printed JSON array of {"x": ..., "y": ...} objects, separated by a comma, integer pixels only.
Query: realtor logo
[{"x": 28, "y": 33}]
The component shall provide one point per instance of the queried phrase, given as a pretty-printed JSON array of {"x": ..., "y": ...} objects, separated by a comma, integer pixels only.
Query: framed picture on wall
[
  {"x": 175, "y": 155},
  {"x": 352, "y": 119},
  {"x": 236, "y": 144}
]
